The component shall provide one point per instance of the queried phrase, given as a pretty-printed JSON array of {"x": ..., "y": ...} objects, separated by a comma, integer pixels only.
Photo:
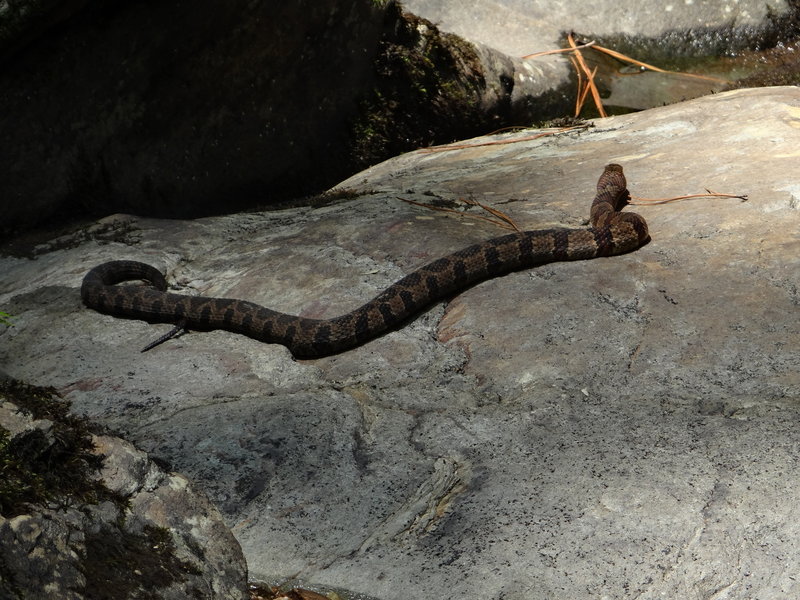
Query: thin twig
[
  {"x": 558, "y": 51},
  {"x": 587, "y": 87},
  {"x": 527, "y": 138},
  {"x": 624, "y": 58},
  {"x": 507, "y": 129},
  {"x": 589, "y": 75},
  {"x": 493, "y": 211},
  {"x": 505, "y": 222},
  {"x": 581, "y": 70},
  {"x": 580, "y": 93},
  {"x": 708, "y": 194}
]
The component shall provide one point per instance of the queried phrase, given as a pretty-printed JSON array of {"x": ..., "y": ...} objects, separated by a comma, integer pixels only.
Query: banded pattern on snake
[{"x": 610, "y": 232}]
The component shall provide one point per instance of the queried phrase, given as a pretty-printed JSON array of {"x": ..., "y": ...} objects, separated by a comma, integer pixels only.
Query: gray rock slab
[
  {"x": 615, "y": 428},
  {"x": 520, "y": 27}
]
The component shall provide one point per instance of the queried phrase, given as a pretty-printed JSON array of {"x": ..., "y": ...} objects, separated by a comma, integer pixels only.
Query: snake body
[{"x": 610, "y": 232}]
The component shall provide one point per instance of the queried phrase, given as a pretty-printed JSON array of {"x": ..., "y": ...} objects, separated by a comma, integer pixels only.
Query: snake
[{"x": 610, "y": 232}]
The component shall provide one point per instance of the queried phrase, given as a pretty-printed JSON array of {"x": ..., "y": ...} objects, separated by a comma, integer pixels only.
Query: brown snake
[{"x": 611, "y": 232}]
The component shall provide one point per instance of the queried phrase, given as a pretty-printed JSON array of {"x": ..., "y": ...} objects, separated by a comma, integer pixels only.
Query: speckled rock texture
[
  {"x": 520, "y": 27},
  {"x": 155, "y": 538},
  {"x": 617, "y": 428}
]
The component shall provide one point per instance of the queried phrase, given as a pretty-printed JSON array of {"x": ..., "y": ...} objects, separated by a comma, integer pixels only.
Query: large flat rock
[{"x": 615, "y": 428}]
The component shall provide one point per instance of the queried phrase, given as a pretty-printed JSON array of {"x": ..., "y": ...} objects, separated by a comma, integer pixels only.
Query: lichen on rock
[{"x": 82, "y": 515}]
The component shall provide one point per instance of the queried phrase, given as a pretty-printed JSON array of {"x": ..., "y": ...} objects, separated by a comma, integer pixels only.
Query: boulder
[
  {"x": 622, "y": 427},
  {"x": 747, "y": 43},
  {"x": 520, "y": 27},
  {"x": 129, "y": 530},
  {"x": 176, "y": 109},
  {"x": 24, "y": 21}
]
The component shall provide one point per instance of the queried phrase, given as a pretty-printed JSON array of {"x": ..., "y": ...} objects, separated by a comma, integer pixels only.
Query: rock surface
[
  {"x": 520, "y": 27},
  {"x": 723, "y": 39},
  {"x": 178, "y": 110},
  {"x": 619, "y": 428},
  {"x": 159, "y": 539}
]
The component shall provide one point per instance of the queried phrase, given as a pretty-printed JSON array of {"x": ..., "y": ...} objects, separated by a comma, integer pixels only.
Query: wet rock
[{"x": 621, "y": 427}]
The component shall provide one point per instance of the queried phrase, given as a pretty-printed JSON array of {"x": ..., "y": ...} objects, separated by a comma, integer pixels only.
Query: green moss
[
  {"x": 428, "y": 90},
  {"x": 778, "y": 66},
  {"x": 47, "y": 467},
  {"x": 19, "y": 486},
  {"x": 122, "y": 564},
  {"x": 9, "y": 588},
  {"x": 56, "y": 466}
]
